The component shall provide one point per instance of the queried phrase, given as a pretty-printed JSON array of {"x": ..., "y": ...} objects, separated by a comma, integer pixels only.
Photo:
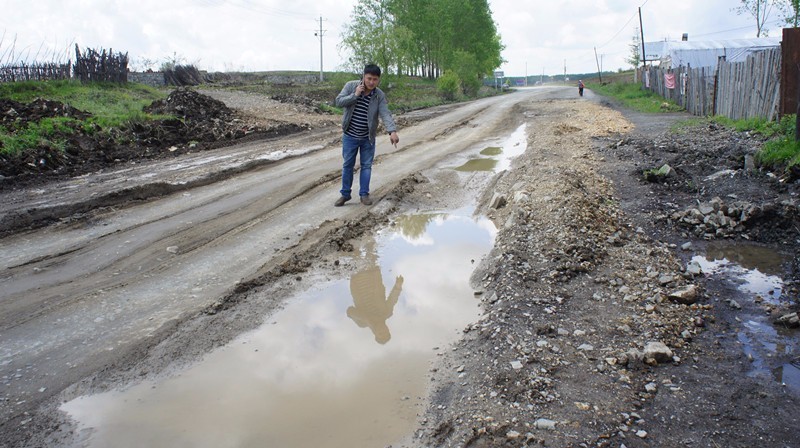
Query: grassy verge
[
  {"x": 780, "y": 151},
  {"x": 111, "y": 105},
  {"x": 405, "y": 93},
  {"x": 632, "y": 96}
]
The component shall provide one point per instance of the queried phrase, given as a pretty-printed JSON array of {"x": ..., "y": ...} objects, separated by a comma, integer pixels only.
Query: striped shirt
[{"x": 359, "y": 124}]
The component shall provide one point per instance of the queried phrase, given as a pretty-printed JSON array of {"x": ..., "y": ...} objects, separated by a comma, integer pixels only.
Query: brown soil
[
  {"x": 200, "y": 123},
  {"x": 576, "y": 296}
]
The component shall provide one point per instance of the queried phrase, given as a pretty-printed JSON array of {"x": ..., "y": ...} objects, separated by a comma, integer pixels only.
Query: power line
[{"x": 620, "y": 30}]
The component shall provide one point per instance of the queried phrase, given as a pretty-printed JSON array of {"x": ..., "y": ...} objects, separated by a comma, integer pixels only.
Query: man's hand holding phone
[{"x": 360, "y": 89}]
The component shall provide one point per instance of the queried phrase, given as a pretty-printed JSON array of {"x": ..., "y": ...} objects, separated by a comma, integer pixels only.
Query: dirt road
[
  {"x": 148, "y": 268},
  {"x": 80, "y": 294}
]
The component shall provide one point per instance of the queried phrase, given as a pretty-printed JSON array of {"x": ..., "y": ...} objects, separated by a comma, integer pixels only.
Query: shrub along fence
[{"x": 737, "y": 90}]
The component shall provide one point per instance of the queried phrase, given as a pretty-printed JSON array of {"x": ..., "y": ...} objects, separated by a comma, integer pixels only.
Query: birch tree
[{"x": 759, "y": 10}]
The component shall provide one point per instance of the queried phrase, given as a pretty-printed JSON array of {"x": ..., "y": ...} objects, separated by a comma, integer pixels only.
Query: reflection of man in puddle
[{"x": 371, "y": 306}]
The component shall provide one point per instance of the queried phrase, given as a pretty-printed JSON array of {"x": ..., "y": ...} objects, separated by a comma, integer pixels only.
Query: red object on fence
[{"x": 669, "y": 80}]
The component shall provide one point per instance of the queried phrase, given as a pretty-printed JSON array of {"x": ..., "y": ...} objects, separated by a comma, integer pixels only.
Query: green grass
[
  {"x": 782, "y": 150},
  {"x": 48, "y": 132},
  {"x": 111, "y": 105},
  {"x": 405, "y": 93},
  {"x": 779, "y": 152},
  {"x": 634, "y": 97}
]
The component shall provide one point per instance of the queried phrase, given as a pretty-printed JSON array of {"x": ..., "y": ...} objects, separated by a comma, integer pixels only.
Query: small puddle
[
  {"x": 762, "y": 341},
  {"x": 473, "y": 165},
  {"x": 756, "y": 270},
  {"x": 342, "y": 365},
  {"x": 499, "y": 156},
  {"x": 757, "y": 273}
]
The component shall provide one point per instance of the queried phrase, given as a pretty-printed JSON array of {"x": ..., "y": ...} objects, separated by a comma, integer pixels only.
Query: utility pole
[
  {"x": 565, "y": 70},
  {"x": 599, "y": 72},
  {"x": 644, "y": 55},
  {"x": 542, "y": 81},
  {"x": 319, "y": 34}
]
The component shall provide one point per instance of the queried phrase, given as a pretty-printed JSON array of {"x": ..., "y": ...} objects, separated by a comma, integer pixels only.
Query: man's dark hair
[{"x": 372, "y": 69}]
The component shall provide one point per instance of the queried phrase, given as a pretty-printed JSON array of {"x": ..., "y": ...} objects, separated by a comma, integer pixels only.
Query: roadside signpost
[{"x": 498, "y": 74}]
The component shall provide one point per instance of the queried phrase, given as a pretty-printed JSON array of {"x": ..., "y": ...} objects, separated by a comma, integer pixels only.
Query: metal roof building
[{"x": 706, "y": 53}]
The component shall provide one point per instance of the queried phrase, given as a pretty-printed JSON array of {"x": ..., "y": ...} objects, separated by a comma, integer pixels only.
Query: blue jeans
[{"x": 350, "y": 148}]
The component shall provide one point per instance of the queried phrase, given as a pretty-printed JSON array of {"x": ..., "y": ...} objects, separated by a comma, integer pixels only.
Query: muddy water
[
  {"x": 342, "y": 365},
  {"x": 498, "y": 158},
  {"x": 756, "y": 271}
]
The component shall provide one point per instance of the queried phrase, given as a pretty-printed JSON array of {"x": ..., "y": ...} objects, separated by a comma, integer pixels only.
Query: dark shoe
[
  {"x": 366, "y": 200},
  {"x": 340, "y": 202}
]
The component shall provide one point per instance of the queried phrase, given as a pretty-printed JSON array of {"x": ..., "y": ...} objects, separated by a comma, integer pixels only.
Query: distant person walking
[
  {"x": 363, "y": 103},
  {"x": 580, "y": 87}
]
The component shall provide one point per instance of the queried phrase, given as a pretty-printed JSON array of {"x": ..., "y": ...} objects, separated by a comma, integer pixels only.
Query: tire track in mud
[{"x": 113, "y": 344}]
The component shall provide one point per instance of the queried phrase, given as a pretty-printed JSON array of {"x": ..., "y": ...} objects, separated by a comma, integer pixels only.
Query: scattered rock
[
  {"x": 544, "y": 423},
  {"x": 666, "y": 279},
  {"x": 686, "y": 296},
  {"x": 791, "y": 320},
  {"x": 733, "y": 304},
  {"x": 658, "y": 352},
  {"x": 498, "y": 201},
  {"x": 694, "y": 268}
]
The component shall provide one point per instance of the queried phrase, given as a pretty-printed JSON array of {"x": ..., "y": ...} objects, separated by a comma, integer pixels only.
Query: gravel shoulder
[{"x": 582, "y": 342}]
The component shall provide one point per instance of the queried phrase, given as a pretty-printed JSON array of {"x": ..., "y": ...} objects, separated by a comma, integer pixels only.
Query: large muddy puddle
[
  {"x": 757, "y": 273},
  {"x": 498, "y": 158},
  {"x": 342, "y": 365}
]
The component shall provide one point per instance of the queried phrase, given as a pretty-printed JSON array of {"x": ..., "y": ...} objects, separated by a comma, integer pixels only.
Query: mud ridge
[{"x": 36, "y": 218}]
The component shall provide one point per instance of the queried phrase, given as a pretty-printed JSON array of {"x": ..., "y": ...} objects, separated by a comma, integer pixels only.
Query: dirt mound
[
  {"x": 711, "y": 167},
  {"x": 15, "y": 115},
  {"x": 190, "y": 105},
  {"x": 200, "y": 122}
]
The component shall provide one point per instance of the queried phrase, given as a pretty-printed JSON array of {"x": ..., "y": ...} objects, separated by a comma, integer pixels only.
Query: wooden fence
[
  {"x": 92, "y": 65},
  {"x": 750, "y": 89},
  {"x": 738, "y": 90},
  {"x": 35, "y": 72}
]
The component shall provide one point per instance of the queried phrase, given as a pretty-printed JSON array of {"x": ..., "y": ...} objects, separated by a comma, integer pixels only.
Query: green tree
[
  {"x": 425, "y": 37},
  {"x": 635, "y": 56},
  {"x": 448, "y": 85},
  {"x": 760, "y": 10},
  {"x": 791, "y": 12},
  {"x": 370, "y": 36}
]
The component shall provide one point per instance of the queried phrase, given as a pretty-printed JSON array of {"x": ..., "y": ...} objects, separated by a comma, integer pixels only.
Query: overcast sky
[{"x": 218, "y": 35}]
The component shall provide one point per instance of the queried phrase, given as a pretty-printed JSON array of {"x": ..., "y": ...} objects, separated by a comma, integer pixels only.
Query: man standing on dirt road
[{"x": 363, "y": 103}]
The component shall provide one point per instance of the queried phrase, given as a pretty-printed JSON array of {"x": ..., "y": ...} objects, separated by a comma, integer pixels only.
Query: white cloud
[{"x": 273, "y": 35}]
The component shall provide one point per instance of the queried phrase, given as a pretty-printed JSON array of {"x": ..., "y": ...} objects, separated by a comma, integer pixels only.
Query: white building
[{"x": 671, "y": 54}]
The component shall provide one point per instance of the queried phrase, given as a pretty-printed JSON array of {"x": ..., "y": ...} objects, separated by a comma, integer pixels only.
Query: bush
[{"x": 448, "y": 85}]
